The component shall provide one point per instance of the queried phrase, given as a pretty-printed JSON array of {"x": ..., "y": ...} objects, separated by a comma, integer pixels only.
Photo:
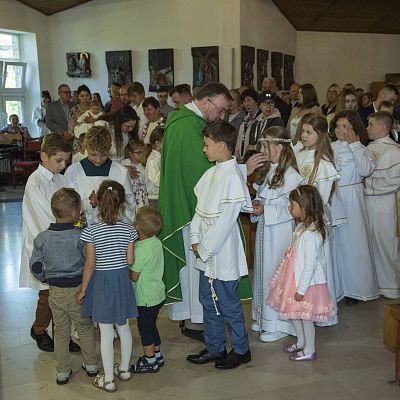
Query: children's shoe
[
  {"x": 100, "y": 383},
  {"x": 142, "y": 366},
  {"x": 91, "y": 370},
  {"x": 160, "y": 361},
  {"x": 122, "y": 375},
  {"x": 63, "y": 377}
]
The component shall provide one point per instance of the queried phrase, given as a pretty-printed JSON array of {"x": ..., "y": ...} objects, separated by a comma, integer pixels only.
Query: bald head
[{"x": 270, "y": 85}]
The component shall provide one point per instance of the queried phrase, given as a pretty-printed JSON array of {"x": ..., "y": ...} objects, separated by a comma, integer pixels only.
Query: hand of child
[
  {"x": 255, "y": 161},
  {"x": 350, "y": 136},
  {"x": 194, "y": 249},
  {"x": 93, "y": 199},
  {"x": 79, "y": 296},
  {"x": 133, "y": 172},
  {"x": 89, "y": 120},
  {"x": 298, "y": 297},
  {"x": 258, "y": 207}
]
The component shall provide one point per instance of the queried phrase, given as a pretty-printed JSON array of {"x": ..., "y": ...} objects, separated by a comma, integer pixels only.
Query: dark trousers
[
  {"x": 147, "y": 324},
  {"x": 43, "y": 313}
]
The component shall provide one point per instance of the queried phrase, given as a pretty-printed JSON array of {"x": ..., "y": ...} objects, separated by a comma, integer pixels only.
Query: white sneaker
[
  {"x": 255, "y": 327},
  {"x": 272, "y": 336}
]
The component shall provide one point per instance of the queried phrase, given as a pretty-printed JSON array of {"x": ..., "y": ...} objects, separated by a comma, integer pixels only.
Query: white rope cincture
[{"x": 260, "y": 275}]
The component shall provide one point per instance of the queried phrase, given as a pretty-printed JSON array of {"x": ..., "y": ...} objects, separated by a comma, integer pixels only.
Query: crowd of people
[{"x": 147, "y": 214}]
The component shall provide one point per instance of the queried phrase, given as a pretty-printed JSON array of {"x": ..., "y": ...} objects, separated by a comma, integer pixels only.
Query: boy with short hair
[
  {"x": 147, "y": 276},
  {"x": 81, "y": 154},
  {"x": 382, "y": 201},
  {"x": 87, "y": 175},
  {"x": 36, "y": 217},
  {"x": 61, "y": 241},
  {"x": 216, "y": 242}
]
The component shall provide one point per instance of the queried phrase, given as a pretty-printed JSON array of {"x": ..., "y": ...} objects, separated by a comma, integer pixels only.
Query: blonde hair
[
  {"x": 64, "y": 201},
  {"x": 148, "y": 220},
  {"x": 98, "y": 139}
]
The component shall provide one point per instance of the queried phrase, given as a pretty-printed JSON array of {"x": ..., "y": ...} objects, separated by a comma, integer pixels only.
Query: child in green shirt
[{"x": 147, "y": 273}]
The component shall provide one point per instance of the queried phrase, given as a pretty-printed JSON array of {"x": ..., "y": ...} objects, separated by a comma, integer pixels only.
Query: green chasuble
[{"x": 182, "y": 165}]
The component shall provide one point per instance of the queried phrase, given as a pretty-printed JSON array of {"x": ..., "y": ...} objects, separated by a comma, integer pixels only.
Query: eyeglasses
[{"x": 221, "y": 110}]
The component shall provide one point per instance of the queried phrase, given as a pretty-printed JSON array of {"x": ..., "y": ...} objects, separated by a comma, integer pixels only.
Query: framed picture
[
  {"x": 119, "y": 66},
  {"x": 288, "y": 70},
  {"x": 262, "y": 66},
  {"x": 161, "y": 68},
  {"x": 276, "y": 68},
  {"x": 78, "y": 65},
  {"x": 247, "y": 65},
  {"x": 205, "y": 65}
]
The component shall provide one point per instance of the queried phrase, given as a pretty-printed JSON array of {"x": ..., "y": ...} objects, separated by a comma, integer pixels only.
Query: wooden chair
[{"x": 24, "y": 168}]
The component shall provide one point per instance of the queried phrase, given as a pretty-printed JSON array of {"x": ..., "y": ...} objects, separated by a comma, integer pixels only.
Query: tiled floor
[{"x": 352, "y": 361}]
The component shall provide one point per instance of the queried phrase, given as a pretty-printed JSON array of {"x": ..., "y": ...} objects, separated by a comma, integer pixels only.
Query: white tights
[
  {"x": 107, "y": 348},
  {"x": 305, "y": 331}
]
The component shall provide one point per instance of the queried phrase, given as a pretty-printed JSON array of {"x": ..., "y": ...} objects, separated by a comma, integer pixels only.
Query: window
[
  {"x": 9, "y": 46},
  {"x": 12, "y": 78}
]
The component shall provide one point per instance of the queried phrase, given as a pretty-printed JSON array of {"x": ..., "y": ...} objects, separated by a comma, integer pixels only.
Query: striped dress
[{"x": 110, "y": 297}]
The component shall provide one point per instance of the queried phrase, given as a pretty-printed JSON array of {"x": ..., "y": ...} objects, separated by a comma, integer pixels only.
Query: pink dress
[{"x": 317, "y": 305}]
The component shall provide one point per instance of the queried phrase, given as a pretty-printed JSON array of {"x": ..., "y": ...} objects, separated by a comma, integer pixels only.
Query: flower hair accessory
[
  {"x": 278, "y": 140},
  {"x": 110, "y": 188}
]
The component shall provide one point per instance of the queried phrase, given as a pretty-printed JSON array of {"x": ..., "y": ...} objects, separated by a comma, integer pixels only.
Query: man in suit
[
  {"x": 58, "y": 111},
  {"x": 388, "y": 93},
  {"x": 294, "y": 94},
  {"x": 269, "y": 84}
]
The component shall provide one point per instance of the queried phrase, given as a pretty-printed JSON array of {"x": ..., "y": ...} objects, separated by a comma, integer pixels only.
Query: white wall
[
  {"x": 138, "y": 25},
  {"x": 264, "y": 27},
  {"x": 359, "y": 58}
]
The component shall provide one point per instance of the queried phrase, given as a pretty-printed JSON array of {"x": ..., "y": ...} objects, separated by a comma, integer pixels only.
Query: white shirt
[
  {"x": 142, "y": 118},
  {"x": 152, "y": 174}
]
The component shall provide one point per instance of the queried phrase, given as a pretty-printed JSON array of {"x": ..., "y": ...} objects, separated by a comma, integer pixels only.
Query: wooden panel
[
  {"x": 49, "y": 7},
  {"x": 372, "y": 16}
]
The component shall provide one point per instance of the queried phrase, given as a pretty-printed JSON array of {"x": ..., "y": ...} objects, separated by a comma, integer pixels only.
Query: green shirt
[{"x": 149, "y": 262}]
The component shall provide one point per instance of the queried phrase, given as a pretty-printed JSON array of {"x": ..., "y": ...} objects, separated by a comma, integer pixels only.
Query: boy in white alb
[
  {"x": 87, "y": 175},
  {"x": 215, "y": 239},
  {"x": 382, "y": 200}
]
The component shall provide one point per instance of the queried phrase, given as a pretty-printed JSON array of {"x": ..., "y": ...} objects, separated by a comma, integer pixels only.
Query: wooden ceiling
[
  {"x": 363, "y": 16},
  {"x": 50, "y": 7}
]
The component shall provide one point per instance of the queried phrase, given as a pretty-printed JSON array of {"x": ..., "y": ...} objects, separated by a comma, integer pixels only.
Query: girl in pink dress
[{"x": 299, "y": 289}]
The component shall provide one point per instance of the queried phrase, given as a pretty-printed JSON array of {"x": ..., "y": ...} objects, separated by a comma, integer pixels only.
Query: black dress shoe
[
  {"x": 205, "y": 357},
  {"x": 233, "y": 360},
  {"x": 43, "y": 341},
  {"x": 193, "y": 334},
  {"x": 73, "y": 347}
]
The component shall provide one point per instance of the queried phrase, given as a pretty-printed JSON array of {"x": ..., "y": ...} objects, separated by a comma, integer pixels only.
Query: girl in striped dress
[{"x": 106, "y": 292}]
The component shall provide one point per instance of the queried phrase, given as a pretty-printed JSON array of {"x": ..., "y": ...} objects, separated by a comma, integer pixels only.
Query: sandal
[
  {"x": 100, "y": 383},
  {"x": 292, "y": 348},
  {"x": 122, "y": 375}
]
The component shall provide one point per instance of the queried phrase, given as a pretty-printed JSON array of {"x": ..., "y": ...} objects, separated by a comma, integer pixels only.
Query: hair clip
[
  {"x": 278, "y": 140},
  {"x": 110, "y": 188}
]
